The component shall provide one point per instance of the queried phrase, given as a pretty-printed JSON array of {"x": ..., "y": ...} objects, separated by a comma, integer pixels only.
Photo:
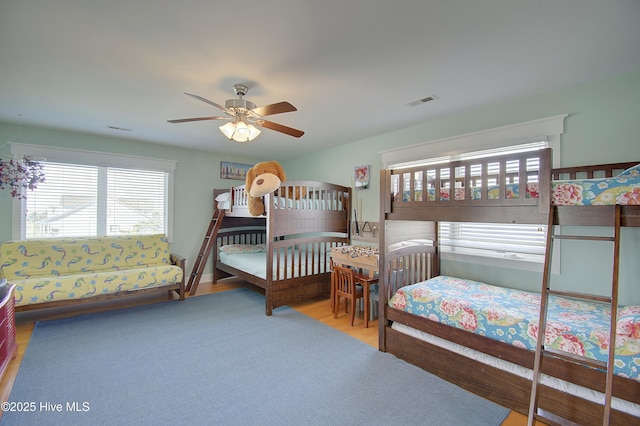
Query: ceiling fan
[{"x": 243, "y": 116}]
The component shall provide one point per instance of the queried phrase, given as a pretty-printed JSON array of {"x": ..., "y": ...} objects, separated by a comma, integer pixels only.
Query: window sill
[{"x": 500, "y": 262}]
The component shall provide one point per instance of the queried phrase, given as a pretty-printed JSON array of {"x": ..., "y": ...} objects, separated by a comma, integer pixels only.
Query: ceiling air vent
[
  {"x": 122, "y": 129},
  {"x": 422, "y": 101}
]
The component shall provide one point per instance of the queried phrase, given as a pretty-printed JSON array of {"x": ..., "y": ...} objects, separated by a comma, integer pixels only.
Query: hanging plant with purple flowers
[{"x": 20, "y": 174}]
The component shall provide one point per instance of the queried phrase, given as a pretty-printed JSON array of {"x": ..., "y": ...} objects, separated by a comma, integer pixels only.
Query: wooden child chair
[{"x": 346, "y": 287}]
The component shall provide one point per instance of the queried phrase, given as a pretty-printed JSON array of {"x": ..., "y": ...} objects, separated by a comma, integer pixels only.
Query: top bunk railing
[
  {"x": 591, "y": 172},
  {"x": 294, "y": 195},
  {"x": 520, "y": 180},
  {"x": 598, "y": 215},
  {"x": 497, "y": 185},
  {"x": 310, "y": 195}
]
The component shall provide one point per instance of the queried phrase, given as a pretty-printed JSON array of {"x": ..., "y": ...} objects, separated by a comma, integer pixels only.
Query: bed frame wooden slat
[{"x": 520, "y": 208}]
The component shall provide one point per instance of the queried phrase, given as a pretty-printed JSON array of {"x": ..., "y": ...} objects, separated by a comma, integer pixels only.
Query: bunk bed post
[
  {"x": 542, "y": 319},
  {"x": 349, "y": 212},
  {"x": 385, "y": 207},
  {"x": 544, "y": 181},
  {"x": 614, "y": 312},
  {"x": 268, "y": 207}
]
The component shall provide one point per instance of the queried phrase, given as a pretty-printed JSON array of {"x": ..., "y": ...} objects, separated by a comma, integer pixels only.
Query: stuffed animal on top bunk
[
  {"x": 260, "y": 180},
  {"x": 264, "y": 178}
]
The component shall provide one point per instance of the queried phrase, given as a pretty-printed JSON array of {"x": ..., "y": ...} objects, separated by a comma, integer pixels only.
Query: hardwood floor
[{"x": 318, "y": 309}]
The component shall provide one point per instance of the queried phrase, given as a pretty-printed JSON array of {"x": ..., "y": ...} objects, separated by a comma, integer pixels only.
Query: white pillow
[{"x": 223, "y": 197}]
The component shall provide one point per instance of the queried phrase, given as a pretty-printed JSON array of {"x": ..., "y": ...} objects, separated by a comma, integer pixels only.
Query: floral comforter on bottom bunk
[{"x": 511, "y": 316}]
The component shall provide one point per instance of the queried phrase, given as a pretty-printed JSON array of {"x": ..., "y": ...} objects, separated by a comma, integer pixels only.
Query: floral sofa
[{"x": 61, "y": 271}]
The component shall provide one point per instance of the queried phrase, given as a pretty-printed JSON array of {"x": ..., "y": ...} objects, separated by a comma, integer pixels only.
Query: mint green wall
[
  {"x": 197, "y": 174},
  {"x": 603, "y": 127}
]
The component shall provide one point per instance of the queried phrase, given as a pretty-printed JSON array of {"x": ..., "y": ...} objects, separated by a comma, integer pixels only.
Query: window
[
  {"x": 107, "y": 195},
  {"x": 481, "y": 242},
  {"x": 510, "y": 241},
  {"x": 502, "y": 241}
]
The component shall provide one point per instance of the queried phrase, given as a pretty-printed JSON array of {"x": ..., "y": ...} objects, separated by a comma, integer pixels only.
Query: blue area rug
[{"x": 218, "y": 360}]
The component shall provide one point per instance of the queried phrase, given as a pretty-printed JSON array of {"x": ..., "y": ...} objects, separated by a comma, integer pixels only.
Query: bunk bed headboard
[
  {"x": 301, "y": 206},
  {"x": 409, "y": 263}
]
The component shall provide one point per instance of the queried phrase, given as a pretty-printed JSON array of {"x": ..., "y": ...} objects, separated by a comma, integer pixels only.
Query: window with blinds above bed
[{"x": 516, "y": 242}]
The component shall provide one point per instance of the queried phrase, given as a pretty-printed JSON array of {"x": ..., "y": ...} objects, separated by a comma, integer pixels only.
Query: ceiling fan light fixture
[
  {"x": 244, "y": 118},
  {"x": 240, "y": 131}
]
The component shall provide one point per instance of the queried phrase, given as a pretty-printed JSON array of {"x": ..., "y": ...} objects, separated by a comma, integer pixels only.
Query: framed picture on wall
[
  {"x": 362, "y": 175},
  {"x": 233, "y": 170}
]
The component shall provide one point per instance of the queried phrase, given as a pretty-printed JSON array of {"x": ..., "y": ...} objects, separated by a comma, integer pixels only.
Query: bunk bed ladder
[
  {"x": 542, "y": 351},
  {"x": 205, "y": 250}
]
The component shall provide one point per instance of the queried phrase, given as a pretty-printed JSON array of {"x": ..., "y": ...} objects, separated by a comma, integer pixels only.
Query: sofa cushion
[
  {"x": 82, "y": 285},
  {"x": 64, "y": 256}
]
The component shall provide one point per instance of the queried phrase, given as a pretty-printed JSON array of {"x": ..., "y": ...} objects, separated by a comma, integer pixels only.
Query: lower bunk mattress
[
  {"x": 252, "y": 259},
  {"x": 511, "y": 316}
]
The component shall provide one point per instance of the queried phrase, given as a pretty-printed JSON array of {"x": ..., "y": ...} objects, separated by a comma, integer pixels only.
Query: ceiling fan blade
[
  {"x": 185, "y": 120},
  {"x": 280, "y": 128},
  {"x": 200, "y": 98},
  {"x": 277, "y": 108}
]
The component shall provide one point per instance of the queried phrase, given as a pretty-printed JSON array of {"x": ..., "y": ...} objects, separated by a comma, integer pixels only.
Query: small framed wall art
[
  {"x": 233, "y": 170},
  {"x": 362, "y": 175}
]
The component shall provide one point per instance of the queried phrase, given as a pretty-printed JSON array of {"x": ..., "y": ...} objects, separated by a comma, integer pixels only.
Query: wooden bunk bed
[
  {"x": 294, "y": 239},
  {"x": 410, "y": 210}
]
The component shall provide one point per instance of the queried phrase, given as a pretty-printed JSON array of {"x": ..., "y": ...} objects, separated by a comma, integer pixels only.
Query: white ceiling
[{"x": 351, "y": 67}]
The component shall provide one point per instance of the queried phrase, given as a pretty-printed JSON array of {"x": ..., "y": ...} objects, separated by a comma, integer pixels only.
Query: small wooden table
[{"x": 361, "y": 258}]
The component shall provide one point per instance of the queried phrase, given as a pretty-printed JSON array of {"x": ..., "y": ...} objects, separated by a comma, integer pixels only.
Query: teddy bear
[{"x": 260, "y": 180}]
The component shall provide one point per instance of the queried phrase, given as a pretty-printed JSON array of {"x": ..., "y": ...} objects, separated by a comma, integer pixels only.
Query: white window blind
[
  {"x": 136, "y": 202},
  {"x": 88, "y": 200},
  {"x": 65, "y": 204},
  {"x": 510, "y": 241},
  {"x": 462, "y": 239},
  {"x": 94, "y": 194}
]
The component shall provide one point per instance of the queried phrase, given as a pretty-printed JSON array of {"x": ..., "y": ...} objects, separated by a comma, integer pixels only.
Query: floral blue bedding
[
  {"x": 623, "y": 189},
  {"x": 511, "y": 316}
]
